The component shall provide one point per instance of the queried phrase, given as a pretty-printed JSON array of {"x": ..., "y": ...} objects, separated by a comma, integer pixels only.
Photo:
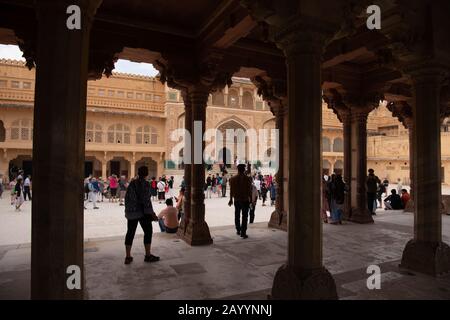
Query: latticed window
[
  {"x": 119, "y": 133},
  {"x": 93, "y": 132},
  {"x": 233, "y": 99},
  {"x": 247, "y": 101},
  {"x": 146, "y": 135},
  {"x": 21, "y": 130}
]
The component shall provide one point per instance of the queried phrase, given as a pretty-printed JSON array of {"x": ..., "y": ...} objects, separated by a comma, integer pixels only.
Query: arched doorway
[
  {"x": 150, "y": 164},
  {"x": 20, "y": 163},
  {"x": 118, "y": 166},
  {"x": 234, "y": 142},
  {"x": 225, "y": 157}
]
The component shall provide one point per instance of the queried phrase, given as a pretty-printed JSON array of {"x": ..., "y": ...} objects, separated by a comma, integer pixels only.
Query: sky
[{"x": 125, "y": 66}]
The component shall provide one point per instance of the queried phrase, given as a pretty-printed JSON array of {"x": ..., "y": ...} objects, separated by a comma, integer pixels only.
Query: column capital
[
  {"x": 88, "y": 9},
  {"x": 403, "y": 112}
]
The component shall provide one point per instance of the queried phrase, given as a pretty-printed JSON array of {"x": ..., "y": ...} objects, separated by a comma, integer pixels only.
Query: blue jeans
[{"x": 238, "y": 207}]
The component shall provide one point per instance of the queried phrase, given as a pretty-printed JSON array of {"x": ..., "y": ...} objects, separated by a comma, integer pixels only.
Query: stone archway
[
  {"x": 236, "y": 144},
  {"x": 151, "y": 164}
]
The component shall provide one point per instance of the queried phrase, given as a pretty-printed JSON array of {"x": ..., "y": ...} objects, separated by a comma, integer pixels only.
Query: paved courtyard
[
  {"x": 233, "y": 268},
  {"x": 109, "y": 220}
]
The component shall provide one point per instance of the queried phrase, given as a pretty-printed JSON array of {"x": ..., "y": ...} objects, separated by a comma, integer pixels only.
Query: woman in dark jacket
[{"x": 138, "y": 209}]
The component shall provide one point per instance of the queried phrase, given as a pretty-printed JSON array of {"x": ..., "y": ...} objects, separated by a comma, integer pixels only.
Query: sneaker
[
  {"x": 128, "y": 260},
  {"x": 244, "y": 236},
  {"x": 238, "y": 233},
  {"x": 96, "y": 208},
  {"x": 151, "y": 258}
]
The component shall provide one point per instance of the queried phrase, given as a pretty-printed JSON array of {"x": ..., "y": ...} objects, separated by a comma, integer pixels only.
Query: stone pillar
[
  {"x": 304, "y": 276},
  {"x": 197, "y": 230},
  {"x": 58, "y": 148},
  {"x": 4, "y": 166},
  {"x": 347, "y": 128},
  {"x": 104, "y": 172},
  {"x": 132, "y": 168},
  {"x": 187, "y": 166},
  {"x": 278, "y": 219},
  {"x": 410, "y": 125},
  {"x": 426, "y": 252},
  {"x": 360, "y": 212}
]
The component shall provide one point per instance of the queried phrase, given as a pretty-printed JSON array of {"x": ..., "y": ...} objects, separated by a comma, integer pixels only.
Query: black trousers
[
  {"x": 224, "y": 190},
  {"x": 371, "y": 196},
  {"x": 238, "y": 207},
  {"x": 252, "y": 214},
  {"x": 26, "y": 191},
  {"x": 146, "y": 225}
]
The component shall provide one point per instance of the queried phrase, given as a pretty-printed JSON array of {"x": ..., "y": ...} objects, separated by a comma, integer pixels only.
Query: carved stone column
[
  {"x": 187, "y": 153},
  {"x": 426, "y": 252},
  {"x": 59, "y": 149},
  {"x": 304, "y": 276},
  {"x": 410, "y": 125},
  {"x": 278, "y": 219},
  {"x": 197, "y": 230},
  {"x": 360, "y": 212},
  {"x": 104, "y": 172},
  {"x": 347, "y": 128}
]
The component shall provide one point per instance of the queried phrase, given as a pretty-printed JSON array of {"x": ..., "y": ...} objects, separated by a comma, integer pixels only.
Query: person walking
[
  {"x": 161, "y": 190},
  {"x": 338, "y": 189},
  {"x": 263, "y": 193},
  {"x": 325, "y": 199},
  {"x": 240, "y": 191},
  {"x": 18, "y": 190},
  {"x": 273, "y": 193},
  {"x": 154, "y": 188},
  {"x": 372, "y": 186},
  {"x": 1, "y": 186},
  {"x": 208, "y": 186},
  {"x": 113, "y": 185},
  {"x": 92, "y": 194},
  {"x": 224, "y": 185},
  {"x": 258, "y": 186},
  {"x": 139, "y": 209},
  {"x": 27, "y": 188},
  {"x": 122, "y": 190}
]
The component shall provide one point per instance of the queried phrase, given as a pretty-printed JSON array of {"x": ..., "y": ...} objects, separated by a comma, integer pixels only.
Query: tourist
[
  {"x": 338, "y": 189},
  {"x": 154, "y": 188},
  {"x": 180, "y": 204},
  {"x": 18, "y": 191},
  {"x": 168, "y": 218},
  {"x": 170, "y": 185},
  {"x": 161, "y": 190},
  {"x": 325, "y": 199},
  {"x": 393, "y": 201},
  {"x": 218, "y": 185},
  {"x": 213, "y": 184},
  {"x": 12, "y": 185},
  {"x": 224, "y": 184},
  {"x": 113, "y": 185},
  {"x": 263, "y": 193},
  {"x": 254, "y": 199},
  {"x": 183, "y": 183},
  {"x": 138, "y": 209},
  {"x": 372, "y": 186},
  {"x": 208, "y": 186},
  {"x": 258, "y": 187},
  {"x": 101, "y": 186},
  {"x": 122, "y": 190},
  {"x": 240, "y": 191},
  {"x": 92, "y": 194},
  {"x": 27, "y": 188},
  {"x": 273, "y": 193},
  {"x": 405, "y": 198},
  {"x": 86, "y": 189},
  {"x": 380, "y": 191}
]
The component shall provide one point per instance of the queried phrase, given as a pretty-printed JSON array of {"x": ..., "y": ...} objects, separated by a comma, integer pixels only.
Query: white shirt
[
  {"x": 161, "y": 186},
  {"x": 27, "y": 182},
  {"x": 258, "y": 184}
]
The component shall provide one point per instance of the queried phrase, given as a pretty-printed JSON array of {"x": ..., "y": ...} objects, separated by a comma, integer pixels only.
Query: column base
[
  {"x": 196, "y": 234},
  {"x": 431, "y": 258},
  {"x": 361, "y": 216},
  {"x": 445, "y": 208},
  {"x": 316, "y": 284},
  {"x": 278, "y": 220}
]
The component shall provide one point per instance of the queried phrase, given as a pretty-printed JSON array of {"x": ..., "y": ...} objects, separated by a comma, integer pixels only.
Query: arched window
[
  {"x": 21, "y": 130},
  {"x": 233, "y": 98},
  {"x": 119, "y": 133},
  {"x": 338, "y": 145},
  {"x": 2, "y": 132},
  {"x": 93, "y": 132},
  {"x": 146, "y": 135},
  {"x": 218, "y": 99},
  {"x": 247, "y": 101},
  {"x": 326, "y": 146}
]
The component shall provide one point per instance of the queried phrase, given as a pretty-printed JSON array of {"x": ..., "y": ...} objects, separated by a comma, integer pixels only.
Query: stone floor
[{"x": 233, "y": 268}]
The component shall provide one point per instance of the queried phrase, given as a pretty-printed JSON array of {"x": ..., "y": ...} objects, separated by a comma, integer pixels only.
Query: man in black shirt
[{"x": 393, "y": 202}]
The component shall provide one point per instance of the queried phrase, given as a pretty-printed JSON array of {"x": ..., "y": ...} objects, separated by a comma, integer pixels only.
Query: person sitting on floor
[
  {"x": 405, "y": 197},
  {"x": 393, "y": 201},
  {"x": 168, "y": 218}
]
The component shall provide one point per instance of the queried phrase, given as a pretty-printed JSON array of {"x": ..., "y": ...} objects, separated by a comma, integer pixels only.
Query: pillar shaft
[
  {"x": 197, "y": 231},
  {"x": 426, "y": 252},
  {"x": 104, "y": 168},
  {"x": 360, "y": 212},
  {"x": 132, "y": 169},
  {"x": 303, "y": 276},
  {"x": 347, "y": 127},
  {"x": 58, "y": 149}
]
